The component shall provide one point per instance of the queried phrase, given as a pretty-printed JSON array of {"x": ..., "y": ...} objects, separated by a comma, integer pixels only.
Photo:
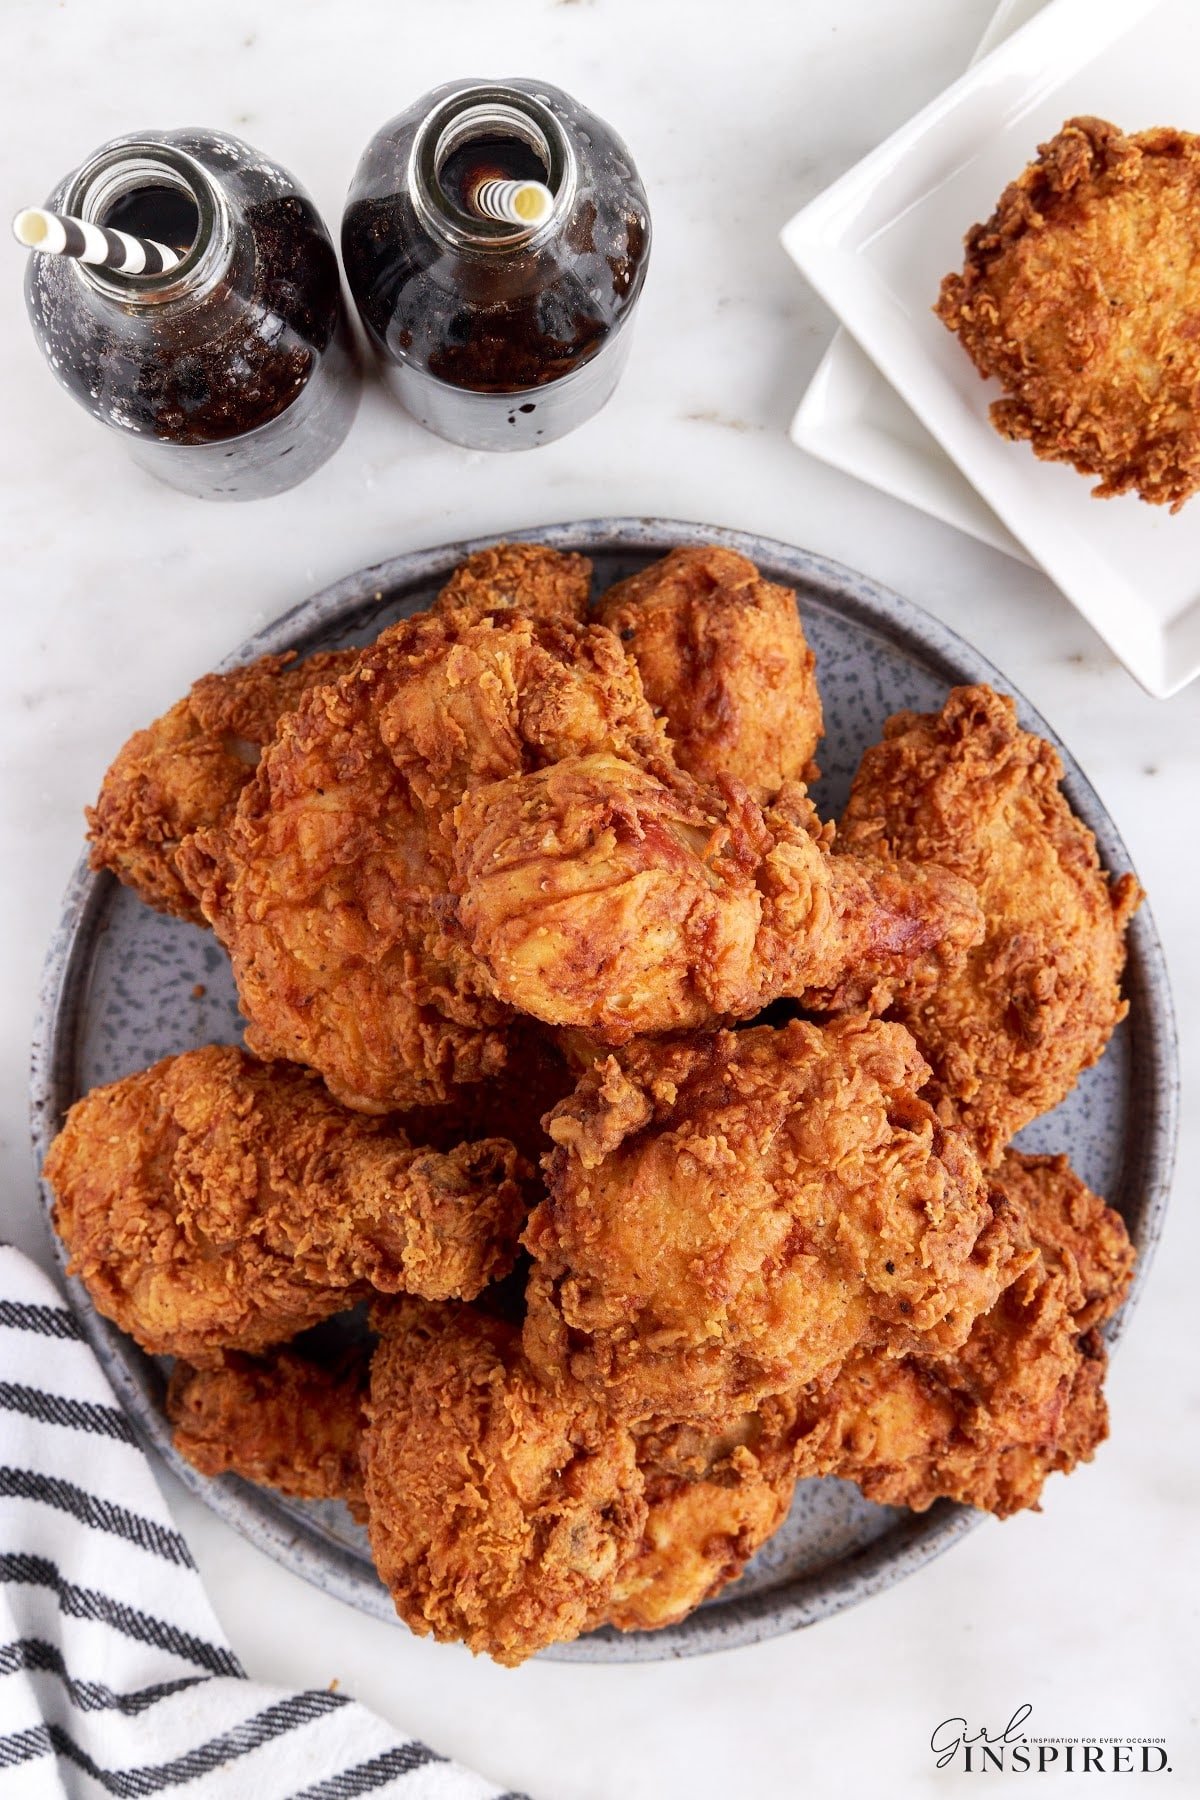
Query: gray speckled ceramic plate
[{"x": 124, "y": 987}]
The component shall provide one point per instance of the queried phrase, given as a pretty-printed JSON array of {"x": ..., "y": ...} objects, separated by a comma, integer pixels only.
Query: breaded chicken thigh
[
  {"x": 214, "y": 1203},
  {"x": 1009, "y": 1031},
  {"x": 501, "y": 1507},
  {"x": 1021, "y": 1399},
  {"x": 1080, "y": 294},
  {"x": 729, "y": 1216}
]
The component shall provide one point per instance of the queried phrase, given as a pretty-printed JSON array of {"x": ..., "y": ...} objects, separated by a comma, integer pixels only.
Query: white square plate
[
  {"x": 877, "y": 243},
  {"x": 851, "y": 418}
]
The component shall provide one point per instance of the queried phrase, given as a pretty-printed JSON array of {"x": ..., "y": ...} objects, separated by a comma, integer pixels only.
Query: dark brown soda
[{"x": 161, "y": 213}]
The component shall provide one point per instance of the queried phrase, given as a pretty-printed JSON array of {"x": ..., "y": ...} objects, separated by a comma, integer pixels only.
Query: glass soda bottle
[
  {"x": 232, "y": 375},
  {"x": 494, "y": 333}
]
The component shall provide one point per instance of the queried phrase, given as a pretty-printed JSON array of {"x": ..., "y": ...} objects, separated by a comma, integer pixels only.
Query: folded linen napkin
[{"x": 115, "y": 1676}]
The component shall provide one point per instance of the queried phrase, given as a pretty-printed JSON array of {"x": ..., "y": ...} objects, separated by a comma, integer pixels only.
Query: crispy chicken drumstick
[
  {"x": 213, "y": 1203},
  {"x": 626, "y": 900}
]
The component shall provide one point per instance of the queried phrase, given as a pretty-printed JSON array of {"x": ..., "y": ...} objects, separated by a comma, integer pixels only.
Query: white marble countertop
[{"x": 117, "y": 593}]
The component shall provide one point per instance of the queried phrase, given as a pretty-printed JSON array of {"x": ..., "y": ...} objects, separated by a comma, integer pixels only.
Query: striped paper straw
[
  {"x": 57, "y": 234},
  {"x": 512, "y": 202}
]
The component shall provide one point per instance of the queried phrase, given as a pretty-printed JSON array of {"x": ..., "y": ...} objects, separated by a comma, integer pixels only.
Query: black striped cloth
[{"x": 115, "y": 1677}]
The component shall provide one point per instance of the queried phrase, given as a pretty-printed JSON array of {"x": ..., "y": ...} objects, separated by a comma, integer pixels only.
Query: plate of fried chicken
[{"x": 530, "y": 1125}]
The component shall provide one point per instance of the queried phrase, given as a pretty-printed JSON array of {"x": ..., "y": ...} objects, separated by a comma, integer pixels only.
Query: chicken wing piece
[
  {"x": 188, "y": 768},
  {"x": 284, "y": 1420},
  {"x": 723, "y": 658},
  {"x": 625, "y": 900},
  {"x": 502, "y": 1507},
  {"x": 525, "y": 578},
  {"x": 330, "y": 886},
  {"x": 731, "y": 1215},
  {"x": 1009, "y": 1031},
  {"x": 1020, "y": 1400},
  {"x": 214, "y": 1203}
]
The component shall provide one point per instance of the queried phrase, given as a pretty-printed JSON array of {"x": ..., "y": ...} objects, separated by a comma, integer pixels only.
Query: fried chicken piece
[
  {"x": 188, "y": 768},
  {"x": 330, "y": 886},
  {"x": 712, "y": 1499},
  {"x": 1080, "y": 294},
  {"x": 623, "y": 900},
  {"x": 185, "y": 771},
  {"x": 729, "y": 1216},
  {"x": 213, "y": 1203},
  {"x": 1075, "y": 1231},
  {"x": 502, "y": 1507},
  {"x": 475, "y": 1460},
  {"x": 1009, "y": 1031},
  {"x": 283, "y": 1420},
  {"x": 529, "y": 579},
  {"x": 1022, "y": 1399},
  {"x": 723, "y": 658}
]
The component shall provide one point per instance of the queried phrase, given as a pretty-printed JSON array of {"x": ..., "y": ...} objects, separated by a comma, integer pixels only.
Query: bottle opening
[
  {"x": 491, "y": 135},
  {"x": 169, "y": 215},
  {"x": 157, "y": 191}
]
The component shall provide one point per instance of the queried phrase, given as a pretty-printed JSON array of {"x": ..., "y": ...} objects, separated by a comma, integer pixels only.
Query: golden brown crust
[
  {"x": 188, "y": 768},
  {"x": 475, "y": 1463},
  {"x": 330, "y": 887},
  {"x": 712, "y": 1499},
  {"x": 214, "y": 1203},
  {"x": 501, "y": 1507},
  {"x": 730, "y": 1216},
  {"x": 1008, "y": 1032},
  {"x": 185, "y": 772},
  {"x": 622, "y": 899},
  {"x": 525, "y": 578},
  {"x": 1080, "y": 295},
  {"x": 723, "y": 658},
  {"x": 284, "y": 1420},
  {"x": 1023, "y": 1397},
  {"x": 1078, "y": 1234}
]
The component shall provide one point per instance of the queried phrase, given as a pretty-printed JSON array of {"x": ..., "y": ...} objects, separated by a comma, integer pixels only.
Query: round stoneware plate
[{"x": 124, "y": 987}]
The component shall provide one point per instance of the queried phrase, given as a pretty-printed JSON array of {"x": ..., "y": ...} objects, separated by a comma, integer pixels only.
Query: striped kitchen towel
[{"x": 115, "y": 1677}]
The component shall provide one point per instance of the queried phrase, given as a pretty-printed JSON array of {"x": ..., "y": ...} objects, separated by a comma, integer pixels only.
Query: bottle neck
[
  {"x": 490, "y": 115},
  {"x": 121, "y": 175}
]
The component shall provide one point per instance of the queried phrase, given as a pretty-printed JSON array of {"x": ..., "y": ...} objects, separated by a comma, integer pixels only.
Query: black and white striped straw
[
  {"x": 512, "y": 202},
  {"x": 58, "y": 234}
]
